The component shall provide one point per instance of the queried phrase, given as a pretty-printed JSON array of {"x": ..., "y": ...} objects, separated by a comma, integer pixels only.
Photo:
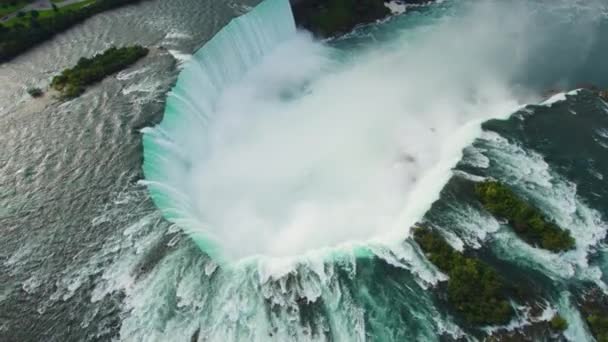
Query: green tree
[
  {"x": 527, "y": 221},
  {"x": 474, "y": 289},
  {"x": 559, "y": 323}
]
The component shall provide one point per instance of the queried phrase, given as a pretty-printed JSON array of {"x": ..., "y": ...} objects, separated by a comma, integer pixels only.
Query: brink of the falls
[
  {"x": 192, "y": 104},
  {"x": 274, "y": 144}
]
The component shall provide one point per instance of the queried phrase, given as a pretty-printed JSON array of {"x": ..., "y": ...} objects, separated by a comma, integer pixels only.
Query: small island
[
  {"x": 527, "y": 222},
  {"x": 474, "y": 289},
  {"x": 72, "y": 82}
]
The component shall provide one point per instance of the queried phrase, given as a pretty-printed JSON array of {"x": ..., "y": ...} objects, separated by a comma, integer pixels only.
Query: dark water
[{"x": 85, "y": 255}]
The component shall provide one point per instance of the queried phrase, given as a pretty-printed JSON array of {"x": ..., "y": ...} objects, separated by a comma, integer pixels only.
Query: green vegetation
[
  {"x": 558, "y": 323},
  {"x": 35, "y": 92},
  {"x": 474, "y": 289},
  {"x": 527, "y": 221},
  {"x": 11, "y": 6},
  {"x": 30, "y": 19},
  {"x": 71, "y": 82},
  {"x": 599, "y": 325},
  {"x": 330, "y": 17},
  {"x": 28, "y": 29}
]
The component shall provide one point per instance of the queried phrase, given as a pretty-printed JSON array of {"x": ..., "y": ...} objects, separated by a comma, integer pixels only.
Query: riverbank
[{"x": 27, "y": 30}]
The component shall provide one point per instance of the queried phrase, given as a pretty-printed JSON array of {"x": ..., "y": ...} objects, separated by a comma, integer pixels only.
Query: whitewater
[
  {"x": 291, "y": 157},
  {"x": 274, "y": 144},
  {"x": 286, "y": 172}
]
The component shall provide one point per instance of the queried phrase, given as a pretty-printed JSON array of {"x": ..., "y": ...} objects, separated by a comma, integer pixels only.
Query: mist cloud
[{"x": 317, "y": 147}]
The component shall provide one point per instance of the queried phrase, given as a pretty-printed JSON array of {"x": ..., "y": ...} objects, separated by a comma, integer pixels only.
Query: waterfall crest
[{"x": 221, "y": 62}]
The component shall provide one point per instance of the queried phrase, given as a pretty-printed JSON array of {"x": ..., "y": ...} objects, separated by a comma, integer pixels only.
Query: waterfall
[{"x": 220, "y": 63}]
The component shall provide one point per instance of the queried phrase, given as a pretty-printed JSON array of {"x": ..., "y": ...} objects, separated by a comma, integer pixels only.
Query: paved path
[{"x": 39, "y": 5}]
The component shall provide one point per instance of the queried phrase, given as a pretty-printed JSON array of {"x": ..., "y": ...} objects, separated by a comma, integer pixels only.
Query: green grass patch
[
  {"x": 527, "y": 221},
  {"x": 9, "y": 7},
  {"x": 474, "y": 289},
  {"x": 29, "y": 19}
]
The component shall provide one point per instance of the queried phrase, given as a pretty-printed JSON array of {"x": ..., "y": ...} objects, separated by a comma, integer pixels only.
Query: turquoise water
[
  {"x": 396, "y": 120},
  {"x": 423, "y": 82}
]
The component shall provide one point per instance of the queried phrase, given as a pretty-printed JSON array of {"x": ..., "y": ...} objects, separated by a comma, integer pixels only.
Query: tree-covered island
[
  {"x": 474, "y": 289},
  {"x": 72, "y": 82},
  {"x": 527, "y": 221}
]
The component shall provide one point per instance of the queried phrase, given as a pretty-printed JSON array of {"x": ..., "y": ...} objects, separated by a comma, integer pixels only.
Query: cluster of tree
[
  {"x": 474, "y": 289},
  {"x": 598, "y": 324},
  {"x": 10, "y": 6},
  {"x": 594, "y": 309},
  {"x": 19, "y": 37},
  {"x": 558, "y": 323},
  {"x": 527, "y": 221},
  {"x": 71, "y": 82}
]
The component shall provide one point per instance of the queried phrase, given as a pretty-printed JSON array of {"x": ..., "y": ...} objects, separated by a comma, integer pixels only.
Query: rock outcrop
[{"x": 328, "y": 18}]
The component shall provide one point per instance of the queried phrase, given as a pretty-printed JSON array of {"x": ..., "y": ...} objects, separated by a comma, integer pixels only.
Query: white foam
[
  {"x": 147, "y": 85},
  {"x": 177, "y": 35},
  {"x": 180, "y": 57},
  {"x": 474, "y": 226},
  {"x": 396, "y": 7},
  {"x": 128, "y": 74},
  {"x": 559, "y": 97},
  {"x": 577, "y": 328},
  {"x": 528, "y": 173},
  {"x": 554, "y": 99}
]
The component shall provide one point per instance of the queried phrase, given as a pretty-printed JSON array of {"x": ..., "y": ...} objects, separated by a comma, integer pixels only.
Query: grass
[
  {"x": 22, "y": 34},
  {"x": 27, "y": 19},
  {"x": 7, "y": 9}
]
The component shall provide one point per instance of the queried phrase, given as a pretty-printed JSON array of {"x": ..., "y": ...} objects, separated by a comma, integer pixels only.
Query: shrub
[
  {"x": 35, "y": 92},
  {"x": 559, "y": 323},
  {"x": 598, "y": 323}
]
